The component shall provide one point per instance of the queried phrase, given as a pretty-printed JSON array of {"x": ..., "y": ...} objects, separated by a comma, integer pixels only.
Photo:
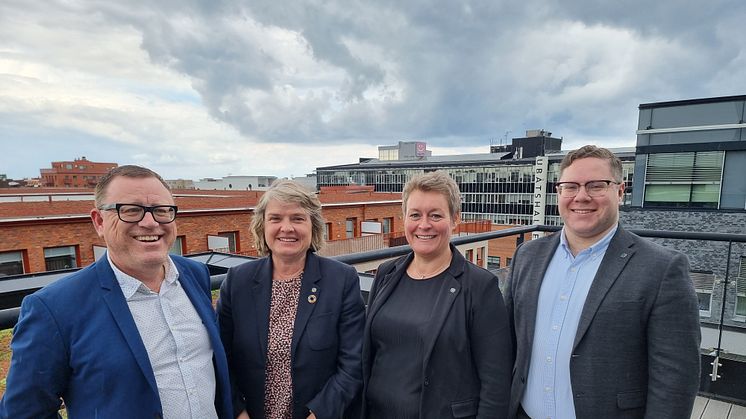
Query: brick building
[
  {"x": 79, "y": 173},
  {"x": 45, "y": 233}
]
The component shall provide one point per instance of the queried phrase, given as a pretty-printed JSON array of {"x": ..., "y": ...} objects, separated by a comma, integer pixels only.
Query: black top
[{"x": 397, "y": 334}]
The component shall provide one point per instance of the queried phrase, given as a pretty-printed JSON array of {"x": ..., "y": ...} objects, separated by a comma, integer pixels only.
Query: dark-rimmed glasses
[
  {"x": 134, "y": 213},
  {"x": 594, "y": 188}
]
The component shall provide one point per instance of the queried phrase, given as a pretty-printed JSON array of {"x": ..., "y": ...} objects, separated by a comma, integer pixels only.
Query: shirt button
[
  {"x": 547, "y": 389},
  {"x": 563, "y": 297},
  {"x": 573, "y": 269},
  {"x": 555, "y": 327},
  {"x": 549, "y": 359}
]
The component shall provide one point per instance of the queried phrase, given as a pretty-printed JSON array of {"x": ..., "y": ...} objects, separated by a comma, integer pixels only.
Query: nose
[
  {"x": 286, "y": 225},
  {"x": 582, "y": 195},
  {"x": 148, "y": 220}
]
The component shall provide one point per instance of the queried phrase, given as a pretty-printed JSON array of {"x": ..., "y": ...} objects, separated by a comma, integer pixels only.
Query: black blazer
[
  {"x": 467, "y": 361},
  {"x": 326, "y": 345}
]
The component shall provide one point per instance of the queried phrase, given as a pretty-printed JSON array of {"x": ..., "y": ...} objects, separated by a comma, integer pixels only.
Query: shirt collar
[
  {"x": 130, "y": 285},
  {"x": 599, "y": 246}
]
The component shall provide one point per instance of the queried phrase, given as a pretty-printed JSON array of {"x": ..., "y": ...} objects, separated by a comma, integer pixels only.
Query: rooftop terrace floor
[{"x": 705, "y": 408}]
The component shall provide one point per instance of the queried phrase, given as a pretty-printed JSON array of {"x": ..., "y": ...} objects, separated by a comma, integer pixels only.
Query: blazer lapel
[
  {"x": 261, "y": 291},
  {"x": 388, "y": 284},
  {"x": 530, "y": 283},
  {"x": 310, "y": 292},
  {"x": 617, "y": 255},
  {"x": 122, "y": 316}
]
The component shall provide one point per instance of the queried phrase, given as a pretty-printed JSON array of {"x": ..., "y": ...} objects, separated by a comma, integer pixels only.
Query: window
[
  {"x": 11, "y": 263},
  {"x": 493, "y": 262},
  {"x": 387, "y": 224},
  {"x": 98, "y": 252},
  {"x": 232, "y": 237},
  {"x": 508, "y": 261},
  {"x": 327, "y": 231},
  {"x": 469, "y": 255},
  {"x": 741, "y": 291},
  {"x": 703, "y": 284},
  {"x": 684, "y": 179},
  {"x": 178, "y": 247},
  {"x": 350, "y": 226},
  {"x": 57, "y": 258}
]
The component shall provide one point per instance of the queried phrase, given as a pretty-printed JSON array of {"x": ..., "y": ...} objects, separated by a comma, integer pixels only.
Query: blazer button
[{"x": 427, "y": 381}]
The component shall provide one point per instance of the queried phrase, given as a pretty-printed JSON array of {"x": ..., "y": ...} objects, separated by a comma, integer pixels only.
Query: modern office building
[
  {"x": 512, "y": 185},
  {"x": 690, "y": 167}
]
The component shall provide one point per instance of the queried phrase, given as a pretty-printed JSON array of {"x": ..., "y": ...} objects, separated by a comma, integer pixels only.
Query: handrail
[{"x": 9, "y": 317}]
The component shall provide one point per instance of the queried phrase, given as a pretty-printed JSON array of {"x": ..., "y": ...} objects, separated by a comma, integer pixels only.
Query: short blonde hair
[
  {"x": 288, "y": 191},
  {"x": 439, "y": 182}
]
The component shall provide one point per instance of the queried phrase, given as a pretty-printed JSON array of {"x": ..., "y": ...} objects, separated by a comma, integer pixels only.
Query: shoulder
[
  {"x": 326, "y": 264},
  {"x": 72, "y": 285},
  {"x": 478, "y": 277},
  {"x": 647, "y": 248},
  {"x": 182, "y": 262}
]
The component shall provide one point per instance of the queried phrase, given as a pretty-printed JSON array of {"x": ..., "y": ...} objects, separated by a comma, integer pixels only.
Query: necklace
[{"x": 432, "y": 273}]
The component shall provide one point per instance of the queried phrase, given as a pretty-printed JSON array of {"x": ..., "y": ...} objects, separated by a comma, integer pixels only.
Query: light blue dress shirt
[
  {"x": 561, "y": 299},
  {"x": 177, "y": 343}
]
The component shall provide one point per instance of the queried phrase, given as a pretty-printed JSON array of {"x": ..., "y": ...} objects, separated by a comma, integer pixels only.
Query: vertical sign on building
[
  {"x": 420, "y": 149},
  {"x": 540, "y": 193}
]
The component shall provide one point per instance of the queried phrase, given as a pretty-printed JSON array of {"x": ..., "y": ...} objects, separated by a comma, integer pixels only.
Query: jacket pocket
[
  {"x": 464, "y": 409},
  {"x": 630, "y": 399},
  {"x": 321, "y": 331}
]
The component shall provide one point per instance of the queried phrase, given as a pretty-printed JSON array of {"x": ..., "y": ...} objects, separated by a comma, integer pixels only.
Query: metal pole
[{"x": 716, "y": 362}]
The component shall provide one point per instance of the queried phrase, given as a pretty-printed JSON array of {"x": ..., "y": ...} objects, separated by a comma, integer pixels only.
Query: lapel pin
[
  {"x": 623, "y": 255},
  {"x": 452, "y": 290},
  {"x": 312, "y": 299},
  {"x": 313, "y": 289}
]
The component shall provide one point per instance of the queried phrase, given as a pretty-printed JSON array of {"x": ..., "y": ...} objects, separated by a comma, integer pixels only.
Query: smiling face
[
  {"x": 587, "y": 219},
  {"x": 287, "y": 230},
  {"x": 137, "y": 249},
  {"x": 428, "y": 224}
]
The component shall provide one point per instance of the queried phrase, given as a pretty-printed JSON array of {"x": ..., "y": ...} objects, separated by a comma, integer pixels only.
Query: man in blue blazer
[
  {"x": 606, "y": 324},
  {"x": 133, "y": 335}
]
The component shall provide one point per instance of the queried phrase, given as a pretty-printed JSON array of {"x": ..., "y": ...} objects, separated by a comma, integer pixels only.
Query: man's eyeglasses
[
  {"x": 133, "y": 213},
  {"x": 594, "y": 188}
]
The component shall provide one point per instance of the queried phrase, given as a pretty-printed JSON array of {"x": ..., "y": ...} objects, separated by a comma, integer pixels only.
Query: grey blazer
[{"x": 636, "y": 352}]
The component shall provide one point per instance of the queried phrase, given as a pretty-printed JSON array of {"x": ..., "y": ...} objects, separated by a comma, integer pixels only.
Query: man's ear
[{"x": 98, "y": 221}]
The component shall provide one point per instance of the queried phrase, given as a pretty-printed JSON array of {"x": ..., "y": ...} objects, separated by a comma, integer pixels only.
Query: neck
[
  {"x": 284, "y": 269},
  {"x": 150, "y": 275},
  {"x": 422, "y": 267}
]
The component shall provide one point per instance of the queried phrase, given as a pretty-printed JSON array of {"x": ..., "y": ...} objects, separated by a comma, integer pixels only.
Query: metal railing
[{"x": 712, "y": 363}]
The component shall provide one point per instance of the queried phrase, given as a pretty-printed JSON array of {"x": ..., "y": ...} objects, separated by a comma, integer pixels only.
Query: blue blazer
[
  {"x": 76, "y": 339},
  {"x": 327, "y": 336}
]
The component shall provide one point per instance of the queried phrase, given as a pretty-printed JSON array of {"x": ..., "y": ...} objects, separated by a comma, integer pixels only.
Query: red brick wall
[{"x": 33, "y": 236}]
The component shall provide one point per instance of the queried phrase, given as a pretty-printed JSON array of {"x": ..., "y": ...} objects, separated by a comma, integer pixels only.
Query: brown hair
[
  {"x": 128, "y": 170},
  {"x": 288, "y": 191},
  {"x": 438, "y": 182},
  {"x": 597, "y": 152}
]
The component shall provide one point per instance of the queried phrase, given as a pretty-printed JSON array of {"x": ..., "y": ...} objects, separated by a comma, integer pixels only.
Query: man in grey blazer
[{"x": 605, "y": 323}]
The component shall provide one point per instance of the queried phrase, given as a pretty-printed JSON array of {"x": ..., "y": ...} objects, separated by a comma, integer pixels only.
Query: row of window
[{"x": 704, "y": 284}]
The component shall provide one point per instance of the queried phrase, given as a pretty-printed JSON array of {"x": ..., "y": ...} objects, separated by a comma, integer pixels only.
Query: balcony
[{"x": 723, "y": 349}]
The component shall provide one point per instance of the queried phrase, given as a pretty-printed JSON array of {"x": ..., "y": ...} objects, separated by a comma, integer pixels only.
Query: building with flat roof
[
  {"x": 511, "y": 185},
  {"x": 79, "y": 173}
]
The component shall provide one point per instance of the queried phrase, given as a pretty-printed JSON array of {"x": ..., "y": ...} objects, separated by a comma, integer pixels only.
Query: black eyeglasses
[
  {"x": 594, "y": 188},
  {"x": 133, "y": 213}
]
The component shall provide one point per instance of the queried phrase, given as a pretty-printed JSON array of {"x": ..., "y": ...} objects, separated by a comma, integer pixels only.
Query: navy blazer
[
  {"x": 467, "y": 357},
  {"x": 76, "y": 339},
  {"x": 636, "y": 350},
  {"x": 326, "y": 344}
]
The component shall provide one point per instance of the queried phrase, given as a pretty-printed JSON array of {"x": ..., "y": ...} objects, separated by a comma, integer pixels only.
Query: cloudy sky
[{"x": 208, "y": 88}]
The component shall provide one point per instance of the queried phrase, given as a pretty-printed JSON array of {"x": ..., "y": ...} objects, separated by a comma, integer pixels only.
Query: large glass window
[
  {"x": 232, "y": 237},
  {"x": 57, "y": 258},
  {"x": 684, "y": 179},
  {"x": 350, "y": 225},
  {"x": 387, "y": 223},
  {"x": 703, "y": 284},
  {"x": 178, "y": 247},
  {"x": 741, "y": 291},
  {"x": 11, "y": 263}
]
